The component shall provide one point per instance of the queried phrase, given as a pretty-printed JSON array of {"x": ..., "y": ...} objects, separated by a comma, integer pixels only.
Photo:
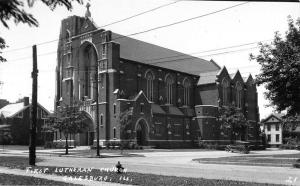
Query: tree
[
  {"x": 280, "y": 69},
  {"x": 14, "y": 10},
  {"x": 3, "y": 103},
  {"x": 232, "y": 122},
  {"x": 68, "y": 120},
  {"x": 289, "y": 123},
  {"x": 125, "y": 121}
]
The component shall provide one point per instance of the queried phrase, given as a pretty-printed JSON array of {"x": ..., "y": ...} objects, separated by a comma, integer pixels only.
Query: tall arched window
[
  {"x": 186, "y": 91},
  {"x": 149, "y": 92},
  {"x": 239, "y": 89},
  {"x": 115, "y": 132},
  {"x": 169, "y": 89},
  {"x": 225, "y": 92}
]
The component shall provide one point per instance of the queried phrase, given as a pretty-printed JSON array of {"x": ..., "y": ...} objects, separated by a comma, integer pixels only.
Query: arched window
[
  {"x": 186, "y": 91},
  {"x": 238, "y": 97},
  {"x": 169, "y": 89},
  {"x": 149, "y": 92},
  {"x": 115, "y": 132},
  {"x": 225, "y": 92},
  {"x": 101, "y": 119}
]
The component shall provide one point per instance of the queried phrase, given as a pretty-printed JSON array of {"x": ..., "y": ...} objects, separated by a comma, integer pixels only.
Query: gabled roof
[
  {"x": 13, "y": 109},
  {"x": 141, "y": 93},
  {"x": 249, "y": 78},
  {"x": 236, "y": 75},
  {"x": 275, "y": 115},
  {"x": 147, "y": 53}
]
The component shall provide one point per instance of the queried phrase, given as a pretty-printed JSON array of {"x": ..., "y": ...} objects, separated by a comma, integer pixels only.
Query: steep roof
[
  {"x": 208, "y": 77},
  {"x": 276, "y": 115},
  {"x": 12, "y": 109},
  {"x": 147, "y": 53}
]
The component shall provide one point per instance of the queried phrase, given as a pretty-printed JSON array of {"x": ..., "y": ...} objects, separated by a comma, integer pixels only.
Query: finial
[{"x": 88, "y": 13}]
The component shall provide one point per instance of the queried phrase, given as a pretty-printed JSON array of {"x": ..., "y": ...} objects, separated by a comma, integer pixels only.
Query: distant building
[
  {"x": 273, "y": 129},
  {"x": 15, "y": 119},
  {"x": 171, "y": 99}
]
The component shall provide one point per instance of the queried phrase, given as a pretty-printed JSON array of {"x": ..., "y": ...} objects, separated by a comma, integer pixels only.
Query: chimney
[{"x": 26, "y": 101}]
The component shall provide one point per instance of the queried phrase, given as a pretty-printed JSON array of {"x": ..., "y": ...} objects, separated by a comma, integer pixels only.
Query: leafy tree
[
  {"x": 14, "y": 10},
  {"x": 280, "y": 69},
  {"x": 68, "y": 120},
  {"x": 232, "y": 122},
  {"x": 125, "y": 121},
  {"x": 289, "y": 123},
  {"x": 3, "y": 103}
]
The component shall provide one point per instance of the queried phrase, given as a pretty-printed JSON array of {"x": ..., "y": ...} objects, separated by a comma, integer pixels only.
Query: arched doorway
[
  {"x": 86, "y": 138},
  {"x": 141, "y": 129}
]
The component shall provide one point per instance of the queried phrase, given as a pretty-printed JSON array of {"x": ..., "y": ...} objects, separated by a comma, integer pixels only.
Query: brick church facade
[{"x": 148, "y": 95}]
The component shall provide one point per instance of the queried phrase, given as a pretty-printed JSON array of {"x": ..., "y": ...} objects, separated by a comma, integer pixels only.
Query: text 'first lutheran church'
[{"x": 148, "y": 95}]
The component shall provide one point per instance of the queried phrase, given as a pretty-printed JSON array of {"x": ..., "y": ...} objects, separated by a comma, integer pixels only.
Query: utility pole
[
  {"x": 97, "y": 108},
  {"x": 34, "y": 74}
]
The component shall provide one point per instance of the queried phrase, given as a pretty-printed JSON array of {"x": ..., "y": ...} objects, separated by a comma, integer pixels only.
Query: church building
[{"x": 147, "y": 94}]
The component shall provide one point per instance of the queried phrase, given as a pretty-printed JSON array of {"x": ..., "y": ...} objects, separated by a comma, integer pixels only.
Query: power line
[
  {"x": 155, "y": 28},
  {"x": 145, "y": 31},
  {"x": 115, "y": 22},
  {"x": 190, "y": 19},
  {"x": 210, "y": 50},
  {"x": 139, "y": 14}
]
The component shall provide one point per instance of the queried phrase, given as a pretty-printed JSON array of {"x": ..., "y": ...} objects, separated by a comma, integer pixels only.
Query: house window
[
  {"x": 149, "y": 92},
  {"x": 225, "y": 91},
  {"x": 269, "y": 137},
  {"x": 239, "y": 89},
  {"x": 169, "y": 89},
  {"x": 277, "y": 137},
  {"x": 268, "y": 127},
  {"x": 277, "y": 127},
  {"x": 186, "y": 92},
  {"x": 20, "y": 115},
  {"x": 115, "y": 132}
]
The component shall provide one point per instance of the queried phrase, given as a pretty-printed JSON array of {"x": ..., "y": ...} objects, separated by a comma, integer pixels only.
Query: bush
[
  {"x": 290, "y": 146},
  {"x": 297, "y": 164}
]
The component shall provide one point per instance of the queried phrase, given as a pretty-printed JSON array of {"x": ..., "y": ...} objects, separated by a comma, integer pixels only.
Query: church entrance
[
  {"x": 86, "y": 138},
  {"x": 141, "y": 132}
]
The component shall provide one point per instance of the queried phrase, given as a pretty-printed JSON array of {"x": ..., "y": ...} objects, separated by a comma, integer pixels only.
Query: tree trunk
[{"x": 67, "y": 146}]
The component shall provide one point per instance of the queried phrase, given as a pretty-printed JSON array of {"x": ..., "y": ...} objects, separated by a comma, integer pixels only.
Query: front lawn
[
  {"x": 11, "y": 179},
  {"x": 132, "y": 178},
  {"x": 278, "y": 160}
]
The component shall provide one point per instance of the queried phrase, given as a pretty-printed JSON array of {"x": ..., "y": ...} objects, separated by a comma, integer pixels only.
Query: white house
[{"x": 272, "y": 127}]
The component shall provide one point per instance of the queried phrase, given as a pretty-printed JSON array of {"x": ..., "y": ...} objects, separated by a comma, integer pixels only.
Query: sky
[{"x": 248, "y": 23}]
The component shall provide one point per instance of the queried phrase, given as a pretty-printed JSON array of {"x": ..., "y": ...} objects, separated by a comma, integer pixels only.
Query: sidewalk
[{"x": 53, "y": 177}]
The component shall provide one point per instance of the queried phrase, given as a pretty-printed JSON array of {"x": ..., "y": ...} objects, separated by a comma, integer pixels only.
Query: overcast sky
[{"x": 247, "y": 23}]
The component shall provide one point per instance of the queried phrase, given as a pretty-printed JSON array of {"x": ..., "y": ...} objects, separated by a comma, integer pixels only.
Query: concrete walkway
[{"x": 53, "y": 177}]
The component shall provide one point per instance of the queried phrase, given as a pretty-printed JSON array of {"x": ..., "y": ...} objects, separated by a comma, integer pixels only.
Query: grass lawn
[
  {"x": 278, "y": 160},
  {"x": 10, "y": 179},
  {"x": 125, "y": 178}
]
